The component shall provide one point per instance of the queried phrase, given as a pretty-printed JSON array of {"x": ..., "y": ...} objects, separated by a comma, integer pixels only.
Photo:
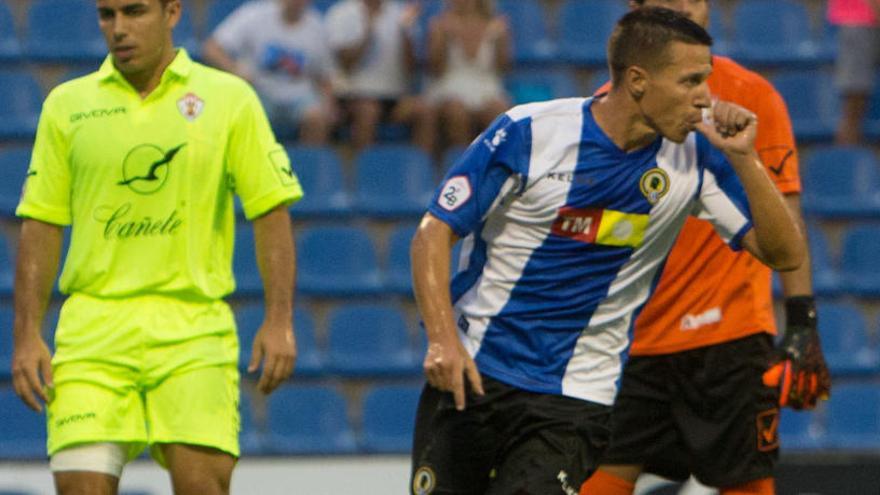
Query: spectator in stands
[
  {"x": 469, "y": 47},
  {"x": 857, "y": 60},
  {"x": 279, "y": 46},
  {"x": 372, "y": 42}
]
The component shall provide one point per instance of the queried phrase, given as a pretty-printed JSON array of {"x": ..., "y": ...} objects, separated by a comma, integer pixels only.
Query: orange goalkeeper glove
[{"x": 799, "y": 369}]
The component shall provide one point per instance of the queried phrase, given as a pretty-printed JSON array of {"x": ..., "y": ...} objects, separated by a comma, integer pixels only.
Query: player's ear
[
  {"x": 172, "y": 12},
  {"x": 635, "y": 79}
]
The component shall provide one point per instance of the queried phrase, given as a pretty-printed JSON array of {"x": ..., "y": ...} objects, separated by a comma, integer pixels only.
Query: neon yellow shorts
[{"x": 143, "y": 371}]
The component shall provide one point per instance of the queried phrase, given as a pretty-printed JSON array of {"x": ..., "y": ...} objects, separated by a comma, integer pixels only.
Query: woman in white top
[{"x": 469, "y": 47}]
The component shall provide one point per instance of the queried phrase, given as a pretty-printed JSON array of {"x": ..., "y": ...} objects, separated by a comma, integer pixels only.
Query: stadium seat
[
  {"x": 584, "y": 28},
  {"x": 389, "y": 419},
  {"x": 860, "y": 271},
  {"x": 872, "y": 117},
  {"x": 799, "y": 430},
  {"x": 7, "y": 266},
  {"x": 244, "y": 263},
  {"x": 10, "y": 48},
  {"x": 23, "y": 435},
  {"x": 20, "y": 101},
  {"x": 6, "y": 316},
  {"x": 309, "y": 358},
  {"x": 398, "y": 272},
  {"x": 826, "y": 280},
  {"x": 308, "y": 420},
  {"x": 217, "y": 11},
  {"x": 250, "y": 438},
  {"x": 393, "y": 181},
  {"x": 185, "y": 32},
  {"x": 370, "y": 340},
  {"x": 842, "y": 182},
  {"x": 854, "y": 416},
  {"x": 319, "y": 170},
  {"x": 773, "y": 32},
  {"x": 812, "y": 103},
  {"x": 13, "y": 171},
  {"x": 529, "y": 85},
  {"x": 64, "y": 31},
  {"x": 720, "y": 31},
  {"x": 337, "y": 261},
  {"x": 528, "y": 28},
  {"x": 845, "y": 340}
]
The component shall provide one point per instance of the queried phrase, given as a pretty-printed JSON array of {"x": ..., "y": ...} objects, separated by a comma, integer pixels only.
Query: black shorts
[
  {"x": 509, "y": 441},
  {"x": 704, "y": 412}
]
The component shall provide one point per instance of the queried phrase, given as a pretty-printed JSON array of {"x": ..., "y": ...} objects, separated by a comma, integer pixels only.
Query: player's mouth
[{"x": 123, "y": 53}]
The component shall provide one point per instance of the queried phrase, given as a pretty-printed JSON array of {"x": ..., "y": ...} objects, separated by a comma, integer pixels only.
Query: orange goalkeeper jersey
[{"x": 708, "y": 293}]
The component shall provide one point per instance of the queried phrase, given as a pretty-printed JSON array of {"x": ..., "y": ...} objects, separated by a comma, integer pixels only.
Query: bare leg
[
  {"x": 849, "y": 129},
  {"x": 456, "y": 122},
  {"x": 315, "y": 126},
  {"x": 198, "y": 470},
  {"x": 423, "y": 119},
  {"x": 365, "y": 115},
  {"x": 85, "y": 483}
]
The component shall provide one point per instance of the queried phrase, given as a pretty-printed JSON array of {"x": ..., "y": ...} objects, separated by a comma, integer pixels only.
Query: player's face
[
  {"x": 695, "y": 10},
  {"x": 675, "y": 94},
  {"x": 137, "y": 32}
]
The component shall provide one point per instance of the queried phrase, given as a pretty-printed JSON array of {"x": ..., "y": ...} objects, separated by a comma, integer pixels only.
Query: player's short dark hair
[{"x": 642, "y": 36}]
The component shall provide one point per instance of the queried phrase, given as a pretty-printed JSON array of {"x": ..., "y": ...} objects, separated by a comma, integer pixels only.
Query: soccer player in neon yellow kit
[{"x": 141, "y": 159}]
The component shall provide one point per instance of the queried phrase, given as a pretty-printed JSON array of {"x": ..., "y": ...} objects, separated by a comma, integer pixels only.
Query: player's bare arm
[
  {"x": 446, "y": 361},
  {"x": 775, "y": 239},
  {"x": 39, "y": 251},
  {"x": 274, "y": 343}
]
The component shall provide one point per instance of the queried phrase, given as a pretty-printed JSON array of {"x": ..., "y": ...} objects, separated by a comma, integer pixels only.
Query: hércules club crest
[{"x": 190, "y": 106}]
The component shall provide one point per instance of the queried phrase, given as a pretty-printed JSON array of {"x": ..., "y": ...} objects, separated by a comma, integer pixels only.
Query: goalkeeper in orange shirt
[{"x": 701, "y": 391}]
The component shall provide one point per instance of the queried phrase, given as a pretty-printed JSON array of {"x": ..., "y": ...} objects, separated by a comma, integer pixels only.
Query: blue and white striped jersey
[{"x": 565, "y": 236}]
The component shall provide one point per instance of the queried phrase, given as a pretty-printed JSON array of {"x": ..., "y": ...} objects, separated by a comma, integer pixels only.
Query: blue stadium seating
[
  {"x": 720, "y": 31},
  {"x": 854, "y": 416},
  {"x": 20, "y": 102},
  {"x": 389, "y": 418},
  {"x": 799, "y": 430},
  {"x": 23, "y": 435},
  {"x": 250, "y": 437},
  {"x": 64, "y": 31},
  {"x": 872, "y": 117},
  {"x": 860, "y": 271},
  {"x": 10, "y": 48},
  {"x": 584, "y": 28},
  {"x": 528, "y": 85},
  {"x": 185, "y": 32},
  {"x": 7, "y": 266},
  {"x": 319, "y": 170},
  {"x": 842, "y": 182},
  {"x": 845, "y": 341},
  {"x": 531, "y": 42},
  {"x": 6, "y": 316},
  {"x": 370, "y": 340},
  {"x": 217, "y": 11},
  {"x": 773, "y": 32},
  {"x": 337, "y": 261},
  {"x": 244, "y": 263},
  {"x": 812, "y": 103},
  {"x": 393, "y": 181},
  {"x": 826, "y": 280},
  {"x": 309, "y": 358},
  {"x": 13, "y": 170},
  {"x": 308, "y": 420},
  {"x": 398, "y": 272}
]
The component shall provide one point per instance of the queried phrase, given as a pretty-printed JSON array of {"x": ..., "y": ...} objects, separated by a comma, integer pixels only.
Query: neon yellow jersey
[{"x": 147, "y": 184}]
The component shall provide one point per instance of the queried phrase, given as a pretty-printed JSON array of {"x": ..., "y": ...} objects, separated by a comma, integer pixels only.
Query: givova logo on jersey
[{"x": 601, "y": 226}]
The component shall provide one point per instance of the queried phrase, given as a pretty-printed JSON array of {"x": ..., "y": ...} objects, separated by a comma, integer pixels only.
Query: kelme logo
[{"x": 146, "y": 168}]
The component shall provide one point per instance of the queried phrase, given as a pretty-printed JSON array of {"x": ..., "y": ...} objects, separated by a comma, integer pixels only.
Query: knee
[{"x": 197, "y": 482}]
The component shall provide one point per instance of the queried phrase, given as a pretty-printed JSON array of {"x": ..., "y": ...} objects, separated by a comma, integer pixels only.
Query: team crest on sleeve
[
  {"x": 654, "y": 184},
  {"x": 190, "y": 106},
  {"x": 456, "y": 191}
]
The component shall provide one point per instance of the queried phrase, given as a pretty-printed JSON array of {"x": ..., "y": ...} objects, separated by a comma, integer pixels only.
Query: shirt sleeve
[
  {"x": 722, "y": 200},
  {"x": 497, "y": 157},
  {"x": 775, "y": 140},
  {"x": 345, "y": 26},
  {"x": 46, "y": 191},
  {"x": 233, "y": 34},
  {"x": 259, "y": 167}
]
